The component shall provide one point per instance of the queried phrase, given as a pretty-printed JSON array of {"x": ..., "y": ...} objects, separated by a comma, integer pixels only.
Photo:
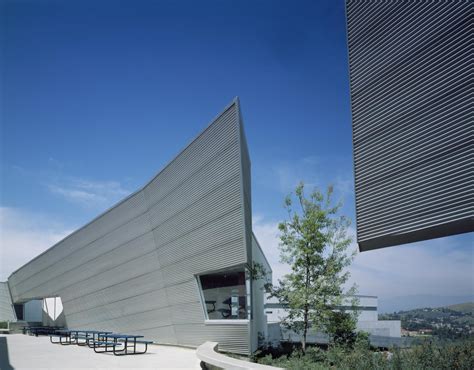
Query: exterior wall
[
  {"x": 368, "y": 308},
  {"x": 411, "y": 97},
  {"x": 246, "y": 187},
  {"x": 133, "y": 269},
  {"x": 7, "y": 312},
  {"x": 33, "y": 311},
  {"x": 367, "y": 320},
  {"x": 259, "y": 322},
  {"x": 53, "y": 314},
  {"x": 382, "y": 328}
]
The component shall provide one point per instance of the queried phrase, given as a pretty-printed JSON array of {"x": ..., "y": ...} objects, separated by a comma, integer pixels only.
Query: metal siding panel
[
  {"x": 102, "y": 225},
  {"x": 128, "y": 306},
  {"x": 131, "y": 323},
  {"x": 126, "y": 242},
  {"x": 161, "y": 335},
  {"x": 182, "y": 293},
  {"x": 412, "y": 112},
  {"x": 191, "y": 313},
  {"x": 209, "y": 236},
  {"x": 136, "y": 267},
  {"x": 251, "y": 333},
  {"x": 226, "y": 255},
  {"x": 148, "y": 282},
  {"x": 209, "y": 209},
  {"x": 7, "y": 312},
  {"x": 231, "y": 338},
  {"x": 209, "y": 144},
  {"x": 202, "y": 183}
]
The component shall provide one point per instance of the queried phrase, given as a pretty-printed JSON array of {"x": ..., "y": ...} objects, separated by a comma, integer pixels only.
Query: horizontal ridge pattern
[{"x": 412, "y": 99}]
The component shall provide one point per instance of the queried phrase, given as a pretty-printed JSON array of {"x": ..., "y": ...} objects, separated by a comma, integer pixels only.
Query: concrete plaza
[{"x": 18, "y": 351}]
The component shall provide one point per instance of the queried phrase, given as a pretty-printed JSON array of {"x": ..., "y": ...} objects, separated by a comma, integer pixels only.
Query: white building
[{"x": 368, "y": 321}]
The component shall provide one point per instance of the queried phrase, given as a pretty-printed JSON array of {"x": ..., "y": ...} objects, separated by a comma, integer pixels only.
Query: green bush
[
  {"x": 341, "y": 327},
  {"x": 3, "y": 325},
  {"x": 458, "y": 355}
]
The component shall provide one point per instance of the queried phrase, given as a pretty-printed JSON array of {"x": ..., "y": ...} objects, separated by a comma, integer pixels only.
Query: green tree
[
  {"x": 341, "y": 326},
  {"x": 314, "y": 242}
]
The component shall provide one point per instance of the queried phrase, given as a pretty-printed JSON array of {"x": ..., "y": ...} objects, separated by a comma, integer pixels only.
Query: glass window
[
  {"x": 19, "y": 311},
  {"x": 224, "y": 295}
]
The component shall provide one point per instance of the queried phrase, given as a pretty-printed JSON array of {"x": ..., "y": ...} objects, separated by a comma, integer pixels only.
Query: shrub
[
  {"x": 428, "y": 355},
  {"x": 341, "y": 327}
]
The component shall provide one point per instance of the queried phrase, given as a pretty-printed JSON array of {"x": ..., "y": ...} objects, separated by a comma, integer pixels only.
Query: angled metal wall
[
  {"x": 7, "y": 312},
  {"x": 133, "y": 268},
  {"x": 411, "y": 71}
]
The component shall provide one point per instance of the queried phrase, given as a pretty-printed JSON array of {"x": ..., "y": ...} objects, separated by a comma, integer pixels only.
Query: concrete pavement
[{"x": 18, "y": 351}]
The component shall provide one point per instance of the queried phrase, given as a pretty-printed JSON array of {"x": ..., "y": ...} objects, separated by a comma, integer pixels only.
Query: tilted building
[{"x": 171, "y": 261}]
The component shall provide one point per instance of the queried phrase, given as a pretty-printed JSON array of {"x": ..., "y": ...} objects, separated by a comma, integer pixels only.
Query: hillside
[
  {"x": 410, "y": 302},
  {"x": 463, "y": 307},
  {"x": 451, "y": 322}
]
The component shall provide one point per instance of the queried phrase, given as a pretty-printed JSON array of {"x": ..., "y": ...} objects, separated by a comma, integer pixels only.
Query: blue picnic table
[
  {"x": 121, "y": 344},
  {"x": 73, "y": 336}
]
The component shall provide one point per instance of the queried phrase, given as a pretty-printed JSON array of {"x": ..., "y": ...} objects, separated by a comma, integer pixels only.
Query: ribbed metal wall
[
  {"x": 7, "y": 312},
  {"x": 411, "y": 77},
  {"x": 246, "y": 189},
  {"x": 133, "y": 269},
  {"x": 259, "y": 323}
]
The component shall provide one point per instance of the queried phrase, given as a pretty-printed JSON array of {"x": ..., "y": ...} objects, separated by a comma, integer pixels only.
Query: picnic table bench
[
  {"x": 101, "y": 341},
  {"x": 73, "y": 336},
  {"x": 40, "y": 330},
  {"x": 121, "y": 344}
]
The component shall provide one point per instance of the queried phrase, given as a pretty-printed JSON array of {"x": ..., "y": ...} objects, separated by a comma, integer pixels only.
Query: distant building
[
  {"x": 381, "y": 331},
  {"x": 411, "y": 96}
]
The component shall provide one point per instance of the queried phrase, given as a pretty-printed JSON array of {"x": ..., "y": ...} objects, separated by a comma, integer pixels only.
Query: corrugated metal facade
[
  {"x": 412, "y": 99},
  {"x": 259, "y": 322},
  {"x": 7, "y": 312},
  {"x": 133, "y": 269}
]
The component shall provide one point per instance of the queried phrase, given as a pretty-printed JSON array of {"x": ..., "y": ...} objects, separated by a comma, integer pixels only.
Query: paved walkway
[{"x": 18, "y": 351}]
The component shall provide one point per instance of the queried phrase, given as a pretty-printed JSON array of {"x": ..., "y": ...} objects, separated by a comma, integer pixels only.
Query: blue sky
[{"x": 99, "y": 96}]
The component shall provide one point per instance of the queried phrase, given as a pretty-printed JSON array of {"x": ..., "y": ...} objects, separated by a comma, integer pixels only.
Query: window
[
  {"x": 19, "y": 311},
  {"x": 225, "y": 295}
]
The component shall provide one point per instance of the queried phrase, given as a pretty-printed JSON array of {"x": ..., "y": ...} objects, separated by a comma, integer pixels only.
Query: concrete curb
[{"x": 207, "y": 353}]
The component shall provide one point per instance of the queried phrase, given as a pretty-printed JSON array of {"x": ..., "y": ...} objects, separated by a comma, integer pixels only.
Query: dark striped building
[{"x": 411, "y": 79}]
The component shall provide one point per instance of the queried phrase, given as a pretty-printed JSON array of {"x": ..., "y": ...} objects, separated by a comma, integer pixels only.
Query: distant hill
[
  {"x": 449, "y": 322},
  {"x": 463, "y": 307},
  {"x": 394, "y": 304}
]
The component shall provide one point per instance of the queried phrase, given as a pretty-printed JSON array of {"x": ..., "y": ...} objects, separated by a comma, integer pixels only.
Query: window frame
[{"x": 202, "y": 299}]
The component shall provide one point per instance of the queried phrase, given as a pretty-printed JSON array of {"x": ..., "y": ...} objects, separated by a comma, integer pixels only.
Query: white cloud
[
  {"x": 284, "y": 176},
  {"x": 267, "y": 235},
  {"x": 290, "y": 173},
  {"x": 91, "y": 194},
  {"x": 24, "y": 235},
  {"x": 437, "y": 267},
  {"x": 87, "y": 193}
]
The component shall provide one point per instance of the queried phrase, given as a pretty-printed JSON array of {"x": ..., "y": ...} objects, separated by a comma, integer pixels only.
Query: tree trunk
[
  {"x": 305, "y": 331},
  {"x": 306, "y": 309}
]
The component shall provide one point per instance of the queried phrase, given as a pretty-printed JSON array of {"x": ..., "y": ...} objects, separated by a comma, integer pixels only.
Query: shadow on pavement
[{"x": 4, "y": 359}]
